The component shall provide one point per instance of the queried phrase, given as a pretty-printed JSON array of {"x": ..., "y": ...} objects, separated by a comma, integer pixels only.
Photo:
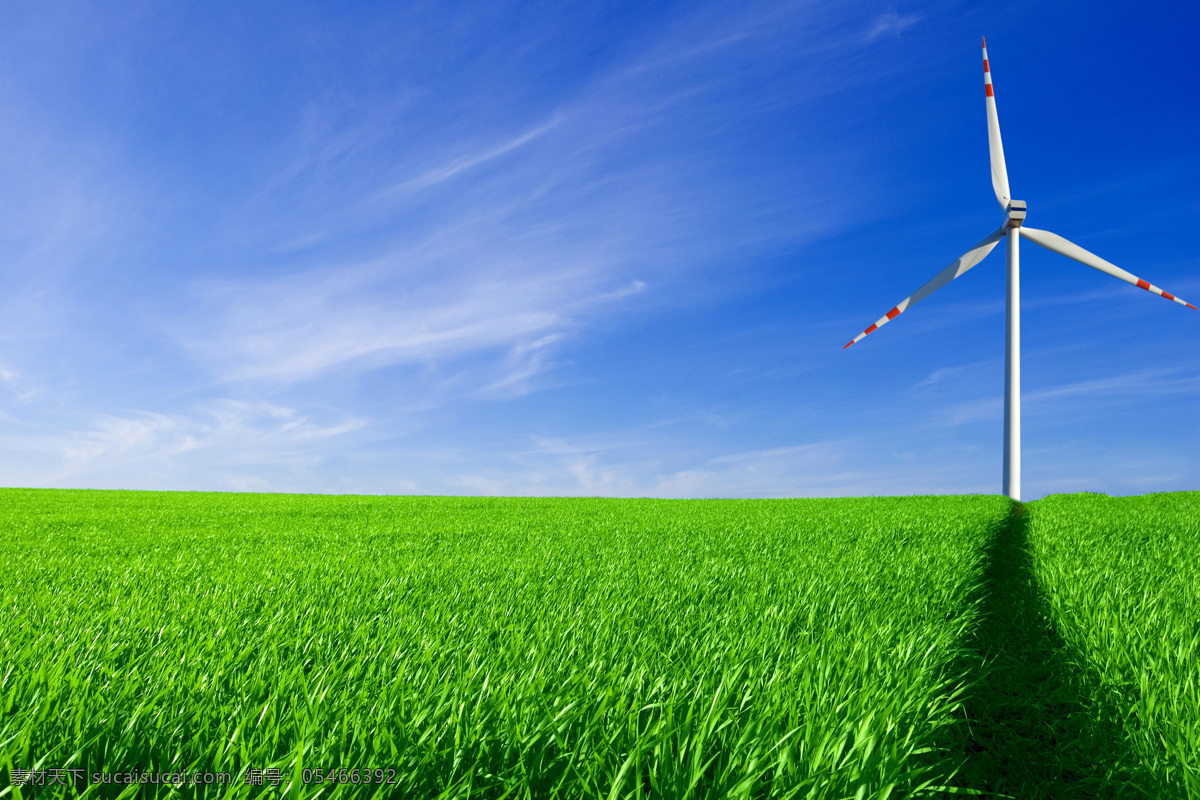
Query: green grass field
[
  {"x": 529, "y": 648},
  {"x": 1121, "y": 577}
]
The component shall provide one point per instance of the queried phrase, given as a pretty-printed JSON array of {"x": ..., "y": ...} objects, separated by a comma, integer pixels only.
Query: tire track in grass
[{"x": 1029, "y": 731}]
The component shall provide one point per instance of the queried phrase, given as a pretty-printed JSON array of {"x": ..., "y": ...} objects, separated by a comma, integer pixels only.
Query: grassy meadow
[
  {"x": 1121, "y": 578},
  {"x": 350, "y": 646}
]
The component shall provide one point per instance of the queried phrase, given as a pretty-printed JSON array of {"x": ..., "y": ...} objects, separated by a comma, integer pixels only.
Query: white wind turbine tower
[{"x": 1011, "y": 228}]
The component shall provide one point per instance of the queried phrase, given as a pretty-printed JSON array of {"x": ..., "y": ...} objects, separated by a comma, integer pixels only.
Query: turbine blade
[
  {"x": 960, "y": 265},
  {"x": 996, "y": 148},
  {"x": 1057, "y": 244}
]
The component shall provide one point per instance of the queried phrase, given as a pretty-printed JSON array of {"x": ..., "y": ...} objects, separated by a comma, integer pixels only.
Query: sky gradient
[{"x": 590, "y": 248}]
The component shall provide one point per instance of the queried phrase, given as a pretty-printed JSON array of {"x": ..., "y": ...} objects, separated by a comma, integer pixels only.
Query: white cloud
[
  {"x": 1129, "y": 387},
  {"x": 941, "y": 374},
  {"x": 154, "y": 450},
  {"x": 574, "y": 214},
  {"x": 839, "y": 467},
  {"x": 1134, "y": 385},
  {"x": 796, "y": 471},
  {"x": 23, "y": 390},
  {"x": 890, "y": 23},
  {"x": 964, "y": 412},
  {"x": 395, "y": 313},
  {"x": 463, "y": 163}
]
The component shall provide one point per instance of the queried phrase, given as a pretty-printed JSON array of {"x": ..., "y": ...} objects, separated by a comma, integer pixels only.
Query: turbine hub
[{"x": 1014, "y": 215}]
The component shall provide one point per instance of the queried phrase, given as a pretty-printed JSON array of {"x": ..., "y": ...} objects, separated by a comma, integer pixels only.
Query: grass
[
  {"x": 1030, "y": 732},
  {"x": 1121, "y": 582},
  {"x": 491, "y": 648},
  {"x": 864, "y": 648}
]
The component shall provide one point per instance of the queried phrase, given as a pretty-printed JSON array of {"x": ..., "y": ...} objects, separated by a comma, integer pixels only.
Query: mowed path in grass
[
  {"x": 459, "y": 647},
  {"x": 473, "y": 647}
]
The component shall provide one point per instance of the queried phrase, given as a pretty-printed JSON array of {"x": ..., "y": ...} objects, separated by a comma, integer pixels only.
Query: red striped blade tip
[
  {"x": 847, "y": 345},
  {"x": 1192, "y": 307}
]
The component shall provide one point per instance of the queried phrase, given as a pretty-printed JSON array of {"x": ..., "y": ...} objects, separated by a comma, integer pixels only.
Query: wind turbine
[{"x": 1011, "y": 228}]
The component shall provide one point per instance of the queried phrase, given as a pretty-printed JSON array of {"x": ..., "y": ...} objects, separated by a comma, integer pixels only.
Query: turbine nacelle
[{"x": 1014, "y": 215}]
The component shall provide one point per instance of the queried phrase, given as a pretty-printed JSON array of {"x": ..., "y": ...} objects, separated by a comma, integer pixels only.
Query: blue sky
[{"x": 590, "y": 248}]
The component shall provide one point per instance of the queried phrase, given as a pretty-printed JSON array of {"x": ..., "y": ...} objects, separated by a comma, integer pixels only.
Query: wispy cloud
[
  {"x": 464, "y": 163},
  {"x": 796, "y": 471},
  {"x": 1137, "y": 385},
  {"x": 890, "y": 23},
  {"x": 388, "y": 313},
  {"x": 943, "y": 373},
  {"x": 219, "y": 436},
  {"x": 597, "y": 200},
  {"x": 598, "y": 467},
  {"x": 1130, "y": 387},
  {"x": 963, "y": 412}
]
